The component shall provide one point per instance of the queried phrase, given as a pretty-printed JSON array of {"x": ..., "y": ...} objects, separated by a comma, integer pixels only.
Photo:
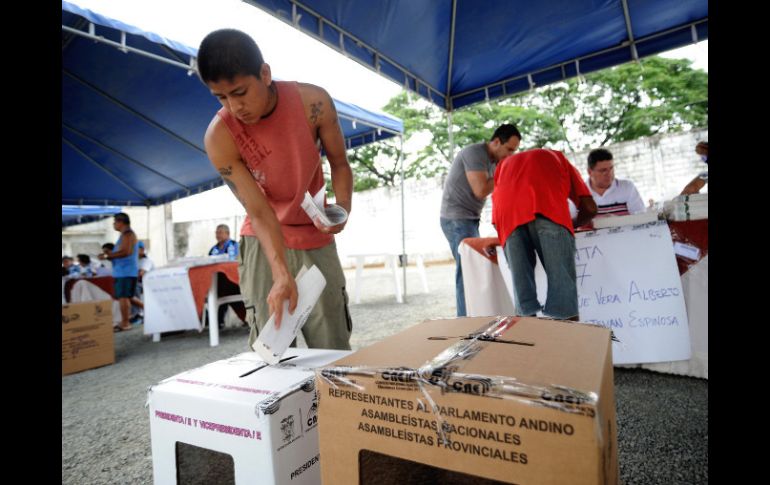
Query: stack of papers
[
  {"x": 687, "y": 207},
  {"x": 330, "y": 215},
  {"x": 632, "y": 219}
]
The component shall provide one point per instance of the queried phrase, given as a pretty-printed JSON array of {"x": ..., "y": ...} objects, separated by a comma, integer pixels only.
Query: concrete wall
[
  {"x": 195, "y": 238},
  {"x": 660, "y": 166},
  {"x": 195, "y": 220}
]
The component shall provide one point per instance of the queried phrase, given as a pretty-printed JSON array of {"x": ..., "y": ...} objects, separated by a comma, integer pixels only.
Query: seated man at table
[
  {"x": 68, "y": 268},
  {"x": 613, "y": 196},
  {"x": 224, "y": 244},
  {"x": 105, "y": 267},
  {"x": 530, "y": 213},
  {"x": 225, "y": 287},
  {"x": 87, "y": 269}
]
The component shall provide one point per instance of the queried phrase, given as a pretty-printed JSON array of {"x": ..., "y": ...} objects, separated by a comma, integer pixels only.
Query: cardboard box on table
[
  {"x": 87, "y": 339},
  {"x": 526, "y": 401},
  {"x": 239, "y": 421}
]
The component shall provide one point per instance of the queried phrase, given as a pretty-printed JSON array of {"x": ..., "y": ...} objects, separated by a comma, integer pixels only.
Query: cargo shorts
[{"x": 329, "y": 325}]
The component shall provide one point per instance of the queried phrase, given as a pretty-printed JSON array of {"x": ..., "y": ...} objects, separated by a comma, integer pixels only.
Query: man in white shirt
[
  {"x": 105, "y": 265},
  {"x": 145, "y": 263},
  {"x": 613, "y": 197}
]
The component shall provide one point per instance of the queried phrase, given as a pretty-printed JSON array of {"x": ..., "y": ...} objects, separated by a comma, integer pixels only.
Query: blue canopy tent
[
  {"x": 133, "y": 121},
  {"x": 459, "y": 52},
  {"x": 77, "y": 214}
]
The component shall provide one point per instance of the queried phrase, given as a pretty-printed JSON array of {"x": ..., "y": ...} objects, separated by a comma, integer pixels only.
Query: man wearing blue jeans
[
  {"x": 531, "y": 215},
  {"x": 467, "y": 186}
]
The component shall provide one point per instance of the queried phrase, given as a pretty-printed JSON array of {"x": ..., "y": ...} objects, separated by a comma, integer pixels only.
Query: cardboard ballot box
[
  {"x": 469, "y": 400},
  {"x": 239, "y": 421},
  {"x": 87, "y": 339}
]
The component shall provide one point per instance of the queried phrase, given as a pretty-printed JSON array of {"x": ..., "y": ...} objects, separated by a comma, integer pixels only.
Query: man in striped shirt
[{"x": 613, "y": 197}]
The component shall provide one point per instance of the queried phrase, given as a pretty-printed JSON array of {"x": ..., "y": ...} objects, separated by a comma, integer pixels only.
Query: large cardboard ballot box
[{"x": 469, "y": 400}]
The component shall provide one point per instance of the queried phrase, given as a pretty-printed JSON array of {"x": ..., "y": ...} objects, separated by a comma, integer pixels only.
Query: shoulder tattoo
[{"x": 315, "y": 111}]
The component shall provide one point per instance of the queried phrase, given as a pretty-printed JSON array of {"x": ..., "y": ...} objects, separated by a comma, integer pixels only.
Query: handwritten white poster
[
  {"x": 168, "y": 301},
  {"x": 628, "y": 281}
]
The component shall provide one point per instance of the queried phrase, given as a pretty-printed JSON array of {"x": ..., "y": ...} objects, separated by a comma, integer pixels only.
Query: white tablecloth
[
  {"x": 695, "y": 283},
  {"x": 485, "y": 293},
  {"x": 488, "y": 293}
]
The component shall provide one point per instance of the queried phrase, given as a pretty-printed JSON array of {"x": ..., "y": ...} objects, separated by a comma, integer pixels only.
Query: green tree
[
  {"x": 655, "y": 95},
  {"x": 476, "y": 123},
  {"x": 375, "y": 165},
  {"x": 473, "y": 124}
]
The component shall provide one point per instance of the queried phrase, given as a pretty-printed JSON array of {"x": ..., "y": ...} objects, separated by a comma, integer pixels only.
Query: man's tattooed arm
[{"x": 225, "y": 172}]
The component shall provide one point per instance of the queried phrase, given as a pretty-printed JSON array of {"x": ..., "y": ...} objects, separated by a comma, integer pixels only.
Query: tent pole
[
  {"x": 403, "y": 224},
  {"x": 168, "y": 221},
  {"x": 451, "y": 138}
]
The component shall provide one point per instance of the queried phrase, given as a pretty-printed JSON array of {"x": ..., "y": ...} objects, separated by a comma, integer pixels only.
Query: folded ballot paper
[
  {"x": 272, "y": 342},
  {"x": 330, "y": 215}
]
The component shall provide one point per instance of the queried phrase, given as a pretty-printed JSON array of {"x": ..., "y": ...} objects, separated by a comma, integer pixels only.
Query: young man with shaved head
[{"x": 265, "y": 142}]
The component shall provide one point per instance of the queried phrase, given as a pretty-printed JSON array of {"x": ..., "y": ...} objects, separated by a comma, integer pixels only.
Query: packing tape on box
[{"x": 442, "y": 374}]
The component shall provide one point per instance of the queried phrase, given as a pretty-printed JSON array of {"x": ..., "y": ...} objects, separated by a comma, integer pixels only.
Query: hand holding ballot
[
  {"x": 330, "y": 219},
  {"x": 283, "y": 294},
  {"x": 275, "y": 339}
]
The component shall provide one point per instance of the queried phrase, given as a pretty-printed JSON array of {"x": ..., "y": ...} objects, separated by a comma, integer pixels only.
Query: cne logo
[
  {"x": 335, "y": 372},
  {"x": 312, "y": 416},
  {"x": 563, "y": 398},
  {"x": 445, "y": 378},
  {"x": 475, "y": 385},
  {"x": 71, "y": 318},
  {"x": 287, "y": 428},
  {"x": 441, "y": 374},
  {"x": 399, "y": 374}
]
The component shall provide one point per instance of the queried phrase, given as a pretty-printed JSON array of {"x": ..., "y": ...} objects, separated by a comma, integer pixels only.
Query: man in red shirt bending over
[{"x": 531, "y": 215}]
